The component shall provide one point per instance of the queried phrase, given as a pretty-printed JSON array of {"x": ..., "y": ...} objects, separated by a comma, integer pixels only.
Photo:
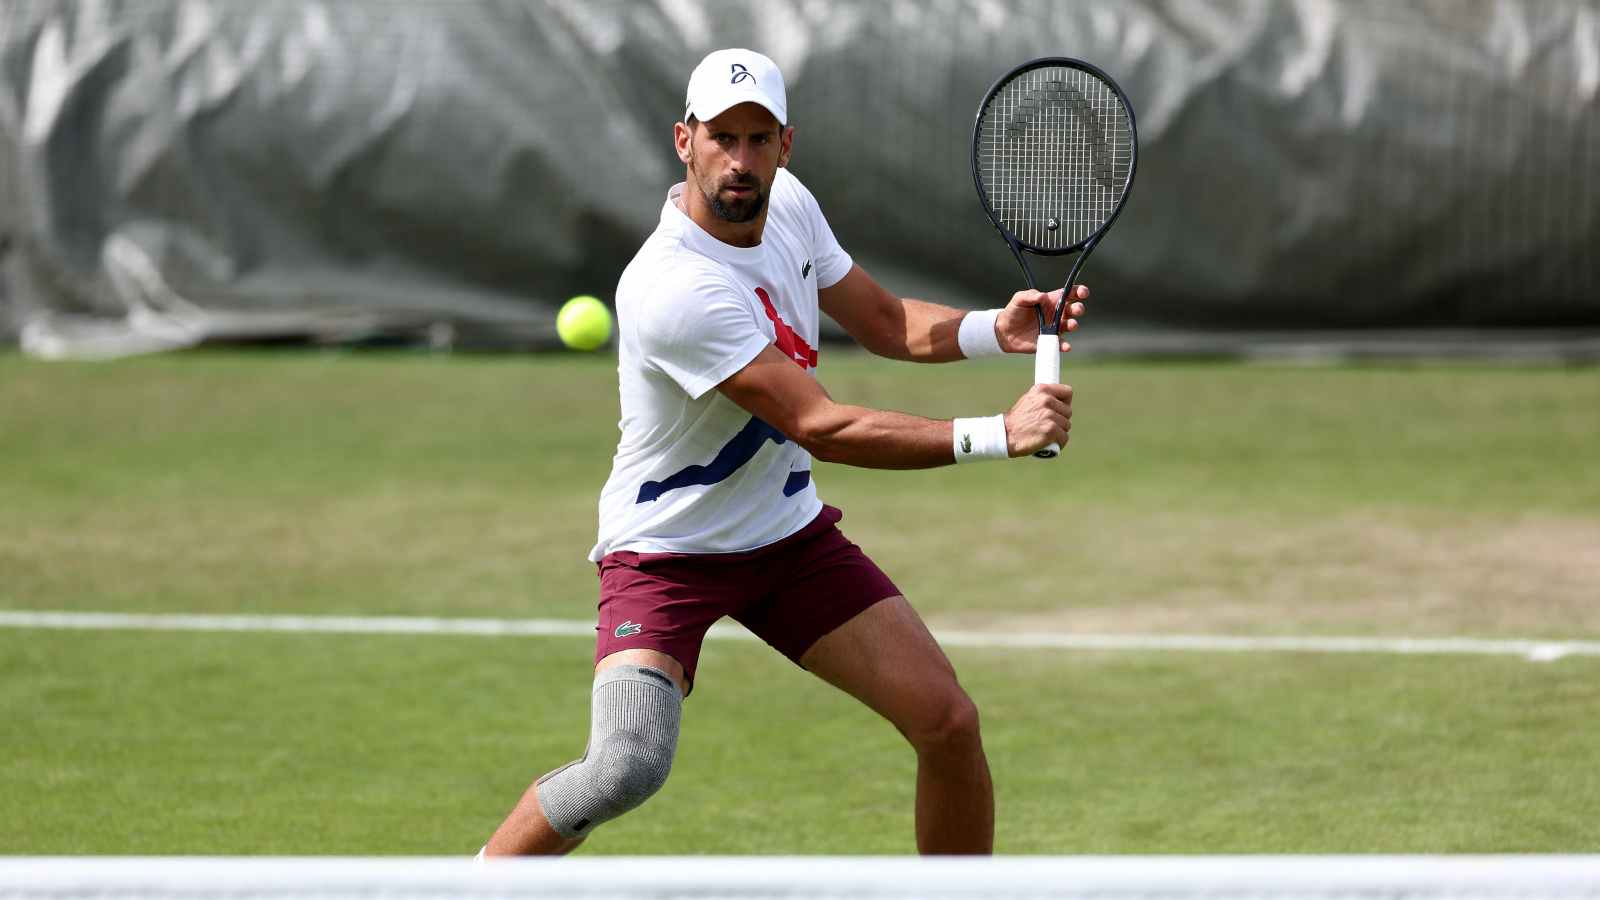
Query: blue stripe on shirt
[
  {"x": 797, "y": 482},
  {"x": 733, "y": 454}
]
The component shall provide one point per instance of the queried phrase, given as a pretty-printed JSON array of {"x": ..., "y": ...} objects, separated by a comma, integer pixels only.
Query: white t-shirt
[{"x": 695, "y": 472}]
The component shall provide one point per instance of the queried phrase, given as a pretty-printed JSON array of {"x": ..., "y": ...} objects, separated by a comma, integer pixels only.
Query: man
[{"x": 711, "y": 510}]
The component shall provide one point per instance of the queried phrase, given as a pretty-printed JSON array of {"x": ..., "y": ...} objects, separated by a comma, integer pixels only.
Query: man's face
[{"x": 733, "y": 159}]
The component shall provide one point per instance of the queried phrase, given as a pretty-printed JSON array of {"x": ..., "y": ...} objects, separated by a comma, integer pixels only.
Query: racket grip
[{"x": 1047, "y": 370}]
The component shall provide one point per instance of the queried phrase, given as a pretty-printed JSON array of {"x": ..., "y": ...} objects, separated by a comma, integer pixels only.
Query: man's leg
[
  {"x": 527, "y": 830},
  {"x": 886, "y": 658}
]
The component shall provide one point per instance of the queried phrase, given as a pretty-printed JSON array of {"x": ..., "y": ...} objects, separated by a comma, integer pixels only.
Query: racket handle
[{"x": 1047, "y": 370}]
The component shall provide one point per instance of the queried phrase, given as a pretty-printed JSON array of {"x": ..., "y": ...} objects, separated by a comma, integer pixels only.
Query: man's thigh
[
  {"x": 887, "y": 658},
  {"x": 655, "y": 659}
]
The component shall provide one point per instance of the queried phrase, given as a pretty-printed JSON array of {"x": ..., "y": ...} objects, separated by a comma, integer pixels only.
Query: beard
[{"x": 740, "y": 209}]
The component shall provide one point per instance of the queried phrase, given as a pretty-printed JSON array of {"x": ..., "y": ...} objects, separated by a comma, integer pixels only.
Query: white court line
[
  {"x": 1508, "y": 877},
  {"x": 1535, "y": 650}
]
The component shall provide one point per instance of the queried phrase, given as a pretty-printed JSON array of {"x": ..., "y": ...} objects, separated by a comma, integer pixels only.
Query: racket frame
[{"x": 1083, "y": 247}]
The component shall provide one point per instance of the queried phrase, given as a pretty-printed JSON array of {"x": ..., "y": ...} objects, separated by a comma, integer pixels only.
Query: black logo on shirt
[
  {"x": 740, "y": 73},
  {"x": 805, "y": 269}
]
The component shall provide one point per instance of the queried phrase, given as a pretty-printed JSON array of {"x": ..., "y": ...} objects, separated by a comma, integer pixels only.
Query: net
[
  {"x": 660, "y": 878},
  {"x": 1055, "y": 148}
]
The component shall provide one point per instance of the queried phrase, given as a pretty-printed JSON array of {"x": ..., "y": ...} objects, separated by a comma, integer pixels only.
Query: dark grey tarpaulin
[{"x": 172, "y": 172}]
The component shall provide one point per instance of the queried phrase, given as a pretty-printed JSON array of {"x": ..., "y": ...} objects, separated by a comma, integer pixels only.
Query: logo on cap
[{"x": 740, "y": 73}]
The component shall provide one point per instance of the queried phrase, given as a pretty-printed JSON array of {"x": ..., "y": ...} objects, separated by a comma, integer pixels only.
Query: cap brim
[{"x": 705, "y": 112}]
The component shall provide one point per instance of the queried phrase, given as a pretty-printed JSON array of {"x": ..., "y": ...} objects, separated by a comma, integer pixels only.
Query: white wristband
[
  {"x": 977, "y": 337},
  {"x": 976, "y": 439}
]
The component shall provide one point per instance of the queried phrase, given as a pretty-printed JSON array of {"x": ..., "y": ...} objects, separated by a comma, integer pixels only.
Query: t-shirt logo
[{"x": 793, "y": 345}]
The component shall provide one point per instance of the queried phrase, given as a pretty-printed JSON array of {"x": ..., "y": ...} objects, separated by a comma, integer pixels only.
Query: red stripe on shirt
[{"x": 792, "y": 344}]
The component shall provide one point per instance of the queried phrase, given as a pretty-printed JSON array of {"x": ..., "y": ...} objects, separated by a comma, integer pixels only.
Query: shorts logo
[
  {"x": 740, "y": 73},
  {"x": 628, "y": 629}
]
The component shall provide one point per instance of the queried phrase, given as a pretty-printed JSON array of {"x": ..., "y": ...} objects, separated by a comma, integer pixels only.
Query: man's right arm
[{"x": 775, "y": 390}]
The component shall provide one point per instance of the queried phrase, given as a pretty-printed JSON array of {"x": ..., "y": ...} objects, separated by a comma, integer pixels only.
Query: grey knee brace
[{"x": 633, "y": 734}]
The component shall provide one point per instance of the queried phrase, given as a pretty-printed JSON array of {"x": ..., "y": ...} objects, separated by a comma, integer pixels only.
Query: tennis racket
[{"x": 1053, "y": 154}]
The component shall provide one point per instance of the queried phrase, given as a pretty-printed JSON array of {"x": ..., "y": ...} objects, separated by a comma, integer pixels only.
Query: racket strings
[{"x": 1055, "y": 148}]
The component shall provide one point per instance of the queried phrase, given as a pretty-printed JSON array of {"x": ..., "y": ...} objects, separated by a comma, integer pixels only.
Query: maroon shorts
[{"x": 788, "y": 593}]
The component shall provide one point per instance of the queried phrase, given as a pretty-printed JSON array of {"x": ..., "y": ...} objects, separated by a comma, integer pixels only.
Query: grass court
[{"x": 1213, "y": 498}]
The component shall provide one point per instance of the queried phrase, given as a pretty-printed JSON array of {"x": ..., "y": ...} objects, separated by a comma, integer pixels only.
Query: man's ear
[
  {"x": 785, "y": 145},
  {"x": 683, "y": 142}
]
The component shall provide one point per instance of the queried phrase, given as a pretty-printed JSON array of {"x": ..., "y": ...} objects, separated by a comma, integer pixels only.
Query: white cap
[{"x": 727, "y": 78}]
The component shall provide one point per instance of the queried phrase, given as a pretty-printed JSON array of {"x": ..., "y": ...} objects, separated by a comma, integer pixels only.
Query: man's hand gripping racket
[{"x": 1054, "y": 150}]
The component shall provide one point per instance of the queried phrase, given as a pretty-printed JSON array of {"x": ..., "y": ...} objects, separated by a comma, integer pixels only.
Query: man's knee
[
  {"x": 629, "y": 767},
  {"x": 949, "y": 721},
  {"x": 631, "y": 744}
]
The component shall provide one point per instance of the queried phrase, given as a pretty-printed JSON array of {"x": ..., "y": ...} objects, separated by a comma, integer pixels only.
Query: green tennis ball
[{"x": 584, "y": 323}]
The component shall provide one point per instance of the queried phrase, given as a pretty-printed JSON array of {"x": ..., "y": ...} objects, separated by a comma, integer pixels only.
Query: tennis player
[{"x": 711, "y": 509}]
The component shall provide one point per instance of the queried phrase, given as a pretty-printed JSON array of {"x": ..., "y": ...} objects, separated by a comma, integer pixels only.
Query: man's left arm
[{"x": 920, "y": 331}]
